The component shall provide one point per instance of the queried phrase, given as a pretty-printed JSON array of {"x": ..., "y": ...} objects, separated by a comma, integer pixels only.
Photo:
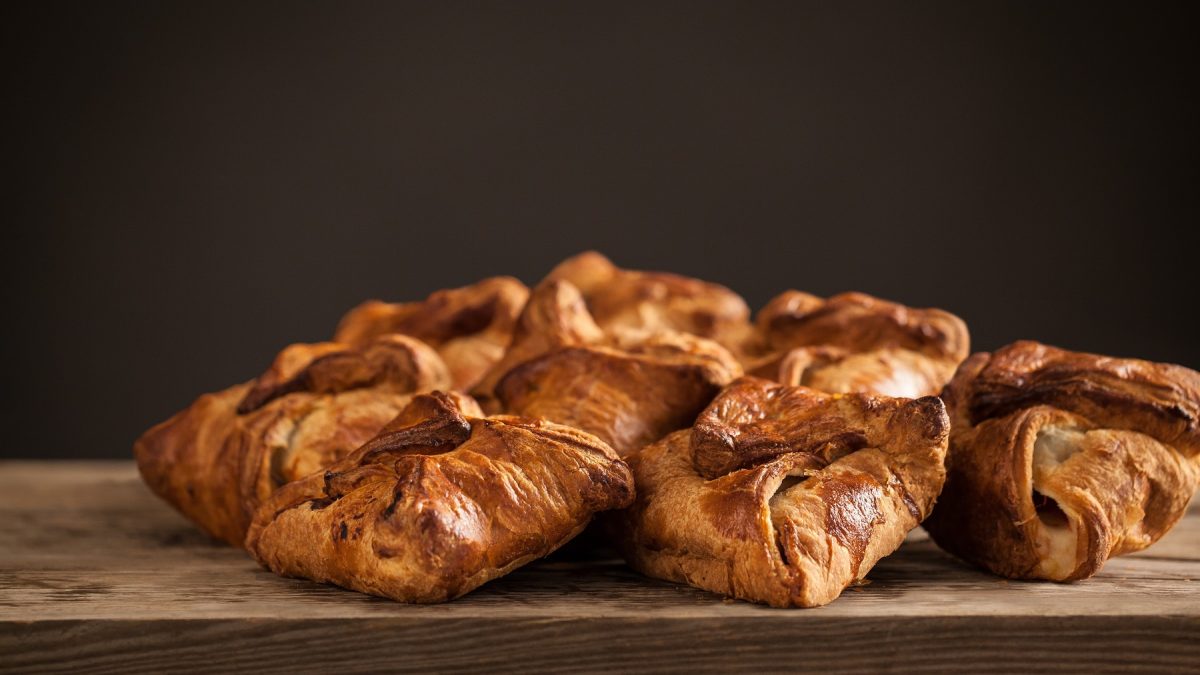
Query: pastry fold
[
  {"x": 1060, "y": 460},
  {"x": 217, "y": 460},
  {"x": 440, "y": 502},
  {"x": 470, "y": 327},
  {"x": 784, "y": 495},
  {"x": 621, "y": 299},
  {"x": 855, "y": 343},
  {"x": 628, "y": 387}
]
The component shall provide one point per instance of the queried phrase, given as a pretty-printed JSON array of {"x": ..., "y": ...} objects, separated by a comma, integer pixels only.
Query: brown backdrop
[{"x": 199, "y": 184}]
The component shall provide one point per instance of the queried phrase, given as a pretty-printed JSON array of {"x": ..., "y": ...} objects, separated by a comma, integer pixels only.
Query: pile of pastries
[{"x": 432, "y": 446}]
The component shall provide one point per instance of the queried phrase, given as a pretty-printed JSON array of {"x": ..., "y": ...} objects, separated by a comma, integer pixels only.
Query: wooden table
[{"x": 98, "y": 575}]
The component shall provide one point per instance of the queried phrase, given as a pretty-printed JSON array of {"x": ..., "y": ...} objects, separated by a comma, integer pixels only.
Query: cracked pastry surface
[
  {"x": 1061, "y": 460},
  {"x": 628, "y": 387},
  {"x": 218, "y": 459},
  {"x": 784, "y": 495},
  {"x": 621, "y": 299},
  {"x": 440, "y": 502},
  {"x": 470, "y": 327},
  {"x": 855, "y": 342}
]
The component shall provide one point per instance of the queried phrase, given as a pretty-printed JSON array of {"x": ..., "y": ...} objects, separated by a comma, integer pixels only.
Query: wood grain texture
[{"x": 96, "y": 575}]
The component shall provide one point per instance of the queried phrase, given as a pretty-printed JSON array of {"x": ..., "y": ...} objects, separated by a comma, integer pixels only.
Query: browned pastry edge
[
  {"x": 469, "y": 326},
  {"x": 1116, "y": 471},
  {"x": 627, "y": 398},
  {"x": 439, "y": 503},
  {"x": 860, "y": 322},
  {"x": 784, "y": 495},
  {"x": 632, "y": 299},
  {"x": 855, "y": 342},
  {"x": 389, "y": 360},
  {"x": 554, "y": 317},
  {"x": 1158, "y": 399},
  {"x": 627, "y": 387},
  {"x": 216, "y": 460}
]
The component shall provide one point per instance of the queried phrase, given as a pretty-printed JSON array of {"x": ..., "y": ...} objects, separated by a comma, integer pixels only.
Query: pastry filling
[
  {"x": 1049, "y": 512},
  {"x": 283, "y": 450},
  {"x": 1057, "y": 540},
  {"x": 780, "y": 509},
  {"x": 787, "y": 483}
]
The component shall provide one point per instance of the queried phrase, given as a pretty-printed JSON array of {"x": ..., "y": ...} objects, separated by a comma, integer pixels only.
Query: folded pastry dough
[
  {"x": 628, "y": 387},
  {"x": 1060, "y": 460},
  {"x": 218, "y": 459},
  {"x": 440, "y": 502},
  {"x": 469, "y": 326},
  {"x": 624, "y": 299},
  {"x": 784, "y": 495},
  {"x": 855, "y": 342}
]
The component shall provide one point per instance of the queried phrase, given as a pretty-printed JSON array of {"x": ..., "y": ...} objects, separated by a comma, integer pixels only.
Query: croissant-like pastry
[
  {"x": 784, "y": 495},
  {"x": 627, "y": 387},
  {"x": 217, "y": 460},
  {"x": 440, "y": 502},
  {"x": 1060, "y": 460},
  {"x": 855, "y": 342},
  {"x": 654, "y": 301},
  {"x": 469, "y": 326}
]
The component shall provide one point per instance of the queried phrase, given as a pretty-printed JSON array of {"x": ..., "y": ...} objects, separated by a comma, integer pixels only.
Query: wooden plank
[
  {"x": 97, "y": 575},
  {"x": 603, "y": 644}
]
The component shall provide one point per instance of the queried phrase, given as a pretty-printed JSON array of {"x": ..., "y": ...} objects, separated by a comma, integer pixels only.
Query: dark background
[{"x": 199, "y": 184}]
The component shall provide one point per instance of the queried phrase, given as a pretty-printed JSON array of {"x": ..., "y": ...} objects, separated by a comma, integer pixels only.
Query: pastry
[
  {"x": 441, "y": 501},
  {"x": 628, "y": 387},
  {"x": 784, "y": 495},
  {"x": 1060, "y": 460},
  {"x": 854, "y": 342},
  {"x": 217, "y": 460},
  {"x": 655, "y": 301},
  {"x": 469, "y": 326}
]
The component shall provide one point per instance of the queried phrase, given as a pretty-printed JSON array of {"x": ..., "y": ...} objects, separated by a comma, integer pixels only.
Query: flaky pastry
[
  {"x": 784, "y": 495},
  {"x": 469, "y": 327},
  {"x": 440, "y": 502},
  {"x": 1060, "y": 460},
  {"x": 217, "y": 460},
  {"x": 854, "y": 342},
  {"x": 628, "y": 387},
  {"x": 654, "y": 301}
]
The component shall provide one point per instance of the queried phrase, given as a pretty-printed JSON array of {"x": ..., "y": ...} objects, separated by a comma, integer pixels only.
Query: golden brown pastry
[
  {"x": 442, "y": 501},
  {"x": 220, "y": 458},
  {"x": 855, "y": 342},
  {"x": 654, "y": 301},
  {"x": 627, "y": 387},
  {"x": 784, "y": 495},
  {"x": 1060, "y": 460},
  {"x": 469, "y": 326}
]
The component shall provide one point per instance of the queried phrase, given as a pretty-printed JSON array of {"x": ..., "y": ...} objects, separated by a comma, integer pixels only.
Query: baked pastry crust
[
  {"x": 1060, "y": 460},
  {"x": 784, "y": 495},
  {"x": 217, "y": 460},
  {"x": 620, "y": 299},
  {"x": 442, "y": 501},
  {"x": 627, "y": 387},
  {"x": 855, "y": 342},
  {"x": 470, "y": 327}
]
